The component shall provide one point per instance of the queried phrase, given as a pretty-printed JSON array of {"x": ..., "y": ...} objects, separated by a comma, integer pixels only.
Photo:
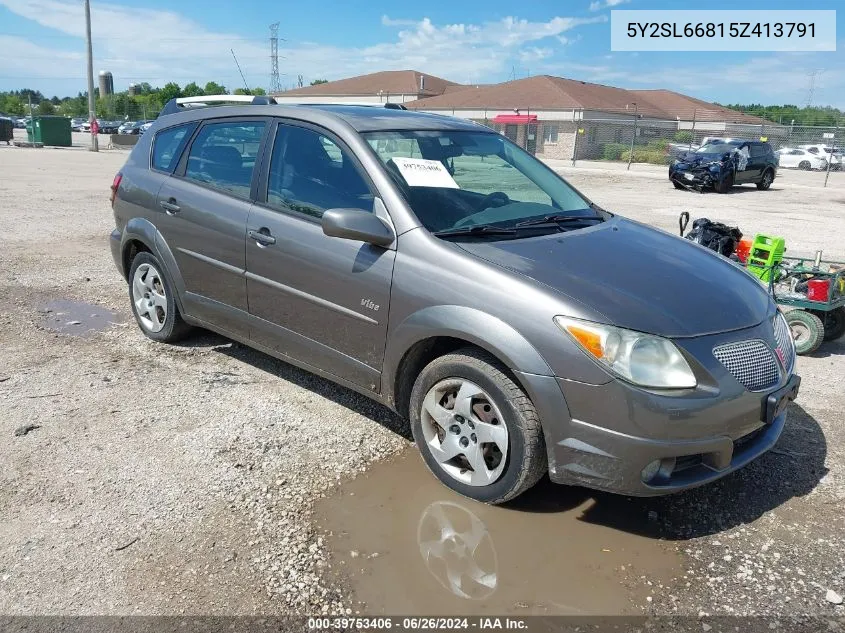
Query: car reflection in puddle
[
  {"x": 406, "y": 545},
  {"x": 457, "y": 549}
]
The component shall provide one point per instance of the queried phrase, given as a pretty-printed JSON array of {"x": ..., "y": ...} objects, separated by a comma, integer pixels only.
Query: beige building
[
  {"x": 552, "y": 117},
  {"x": 396, "y": 86}
]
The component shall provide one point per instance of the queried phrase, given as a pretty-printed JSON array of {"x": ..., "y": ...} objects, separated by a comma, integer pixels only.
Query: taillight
[{"x": 114, "y": 185}]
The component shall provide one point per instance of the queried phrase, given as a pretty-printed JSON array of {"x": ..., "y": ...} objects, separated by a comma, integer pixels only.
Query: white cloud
[
  {"x": 598, "y": 5},
  {"x": 534, "y": 54},
  {"x": 159, "y": 45}
]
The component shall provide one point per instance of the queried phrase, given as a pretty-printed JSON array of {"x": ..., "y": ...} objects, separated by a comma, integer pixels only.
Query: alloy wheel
[
  {"x": 465, "y": 432},
  {"x": 149, "y": 297}
]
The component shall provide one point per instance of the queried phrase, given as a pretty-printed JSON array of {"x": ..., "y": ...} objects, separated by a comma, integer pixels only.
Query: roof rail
[
  {"x": 203, "y": 101},
  {"x": 390, "y": 105},
  {"x": 182, "y": 103}
]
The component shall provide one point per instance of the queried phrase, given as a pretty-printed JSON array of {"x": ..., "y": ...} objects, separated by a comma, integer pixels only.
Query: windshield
[
  {"x": 717, "y": 148},
  {"x": 462, "y": 179}
]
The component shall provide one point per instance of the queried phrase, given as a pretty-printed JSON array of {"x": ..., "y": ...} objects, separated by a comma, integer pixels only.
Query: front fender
[
  {"x": 469, "y": 324},
  {"x": 144, "y": 231}
]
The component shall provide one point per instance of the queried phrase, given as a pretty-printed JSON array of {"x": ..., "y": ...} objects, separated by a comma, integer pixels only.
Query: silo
[{"x": 106, "y": 83}]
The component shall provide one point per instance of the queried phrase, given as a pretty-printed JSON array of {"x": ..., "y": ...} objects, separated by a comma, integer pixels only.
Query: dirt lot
[{"x": 207, "y": 478}]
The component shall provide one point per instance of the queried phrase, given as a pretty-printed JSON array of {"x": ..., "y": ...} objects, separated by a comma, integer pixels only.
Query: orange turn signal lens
[{"x": 589, "y": 339}]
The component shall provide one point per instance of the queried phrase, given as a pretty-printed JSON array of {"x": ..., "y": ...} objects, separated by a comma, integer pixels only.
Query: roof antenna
[{"x": 239, "y": 70}]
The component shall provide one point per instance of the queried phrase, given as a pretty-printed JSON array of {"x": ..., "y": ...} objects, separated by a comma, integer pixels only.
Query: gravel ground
[{"x": 181, "y": 479}]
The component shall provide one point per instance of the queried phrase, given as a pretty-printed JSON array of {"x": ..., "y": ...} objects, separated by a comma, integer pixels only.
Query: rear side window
[
  {"x": 223, "y": 155},
  {"x": 168, "y": 145},
  {"x": 758, "y": 150}
]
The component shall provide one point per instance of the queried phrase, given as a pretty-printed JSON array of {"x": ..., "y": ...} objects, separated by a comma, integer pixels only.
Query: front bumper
[
  {"x": 700, "y": 179},
  {"x": 604, "y": 436}
]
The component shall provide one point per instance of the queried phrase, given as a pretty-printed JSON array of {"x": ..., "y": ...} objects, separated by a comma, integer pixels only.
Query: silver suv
[{"x": 434, "y": 266}]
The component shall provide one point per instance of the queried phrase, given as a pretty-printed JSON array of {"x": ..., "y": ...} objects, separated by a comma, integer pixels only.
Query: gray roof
[{"x": 360, "y": 118}]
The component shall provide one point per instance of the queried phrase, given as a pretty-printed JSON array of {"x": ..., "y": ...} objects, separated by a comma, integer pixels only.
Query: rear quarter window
[{"x": 168, "y": 145}]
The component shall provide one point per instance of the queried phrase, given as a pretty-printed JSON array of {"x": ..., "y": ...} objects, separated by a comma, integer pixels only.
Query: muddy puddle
[
  {"x": 77, "y": 318},
  {"x": 405, "y": 544}
]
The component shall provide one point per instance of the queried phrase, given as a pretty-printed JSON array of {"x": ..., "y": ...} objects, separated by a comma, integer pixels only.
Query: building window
[
  {"x": 550, "y": 131},
  {"x": 592, "y": 134}
]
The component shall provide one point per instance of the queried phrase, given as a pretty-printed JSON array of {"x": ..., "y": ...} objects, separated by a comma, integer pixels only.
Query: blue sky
[{"x": 42, "y": 45}]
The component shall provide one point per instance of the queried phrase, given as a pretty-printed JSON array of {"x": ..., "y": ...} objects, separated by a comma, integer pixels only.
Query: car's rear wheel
[
  {"x": 477, "y": 430},
  {"x": 767, "y": 180},
  {"x": 807, "y": 330},
  {"x": 724, "y": 185},
  {"x": 805, "y": 165},
  {"x": 153, "y": 301}
]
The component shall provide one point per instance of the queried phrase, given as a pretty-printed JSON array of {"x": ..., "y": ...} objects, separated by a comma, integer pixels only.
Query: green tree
[
  {"x": 251, "y": 91},
  {"x": 12, "y": 104},
  {"x": 170, "y": 91},
  {"x": 192, "y": 90},
  {"x": 213, "y": 88},
  {"x": 317, "y": 82},
  {"x": 45, "y": 107}
]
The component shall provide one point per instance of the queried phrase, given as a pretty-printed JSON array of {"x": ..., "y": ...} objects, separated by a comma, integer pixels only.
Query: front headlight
[{"x": 643, "y": 359}]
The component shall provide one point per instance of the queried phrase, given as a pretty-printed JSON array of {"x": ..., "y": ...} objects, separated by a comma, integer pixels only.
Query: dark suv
[
  {"x": 722, "y": 163},
  {"x": 434, "y": 266}
]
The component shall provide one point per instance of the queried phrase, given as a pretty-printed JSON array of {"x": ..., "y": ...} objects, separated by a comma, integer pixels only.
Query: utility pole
[
  {"x": 275, "y": 83},
  {"x": 633, "y": 136},
  {"x": 92, "y": 107}
]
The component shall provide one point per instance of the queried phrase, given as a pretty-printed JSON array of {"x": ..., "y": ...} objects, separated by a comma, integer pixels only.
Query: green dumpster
[{"x": 49, "y": 130}]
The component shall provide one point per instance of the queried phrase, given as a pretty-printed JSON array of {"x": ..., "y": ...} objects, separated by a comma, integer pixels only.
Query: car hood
[
  {"x": 637, "y": 277},
  {"x": 697, "y": 159}
]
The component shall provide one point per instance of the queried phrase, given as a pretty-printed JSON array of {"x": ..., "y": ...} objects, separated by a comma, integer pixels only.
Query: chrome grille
[
  {"x": 785, "y": 343},
  {"x": 750, "y": 362}
]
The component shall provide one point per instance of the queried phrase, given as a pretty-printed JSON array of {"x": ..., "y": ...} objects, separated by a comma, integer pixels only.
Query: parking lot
[{"x": 208, "y": 478}]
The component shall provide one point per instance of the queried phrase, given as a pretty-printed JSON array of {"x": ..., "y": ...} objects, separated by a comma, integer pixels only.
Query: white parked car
[
  {"x": 826, "y": 152},
  {"x": 800, "y": 159}
]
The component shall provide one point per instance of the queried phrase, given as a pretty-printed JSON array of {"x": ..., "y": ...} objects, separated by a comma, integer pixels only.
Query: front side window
[
  {"x": 223, "y": 155},
  {"x": 310, "y": 173},
  {"x": 457, "y": 179},
  {"x": 168, "y": 145}
]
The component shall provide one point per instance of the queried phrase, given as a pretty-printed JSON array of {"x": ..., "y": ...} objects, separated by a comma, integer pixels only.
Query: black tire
[
  {"x": 174, "y": 328},
  {"x": 833, "y": 322},
  {"x": 767, "y": 180},
  {"x": 805, "y": 165},
  {"x": 724, "y": 185},
  {"x": 526, "y": 461},
  {"x": 807, "y": 331},
  {"x": 678, "y": 185}
]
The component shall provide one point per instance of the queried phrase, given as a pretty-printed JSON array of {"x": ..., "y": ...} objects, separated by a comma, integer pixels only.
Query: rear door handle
[
  {"x": 169, "y": 205},
  {"x": 262, "y": 236}
]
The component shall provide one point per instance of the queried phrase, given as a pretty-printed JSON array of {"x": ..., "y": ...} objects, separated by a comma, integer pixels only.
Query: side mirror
[{"x": 357, "y": 224}]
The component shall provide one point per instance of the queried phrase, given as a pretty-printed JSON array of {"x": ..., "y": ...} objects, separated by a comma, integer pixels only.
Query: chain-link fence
[{"x": 658, "y": 142}]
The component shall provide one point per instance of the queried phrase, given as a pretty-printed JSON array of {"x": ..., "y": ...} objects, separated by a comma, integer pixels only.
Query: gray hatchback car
[{"x": 432, "y": 265}]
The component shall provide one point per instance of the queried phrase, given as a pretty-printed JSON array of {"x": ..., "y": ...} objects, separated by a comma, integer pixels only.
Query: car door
[
  {"x": 320, "y": 300},
  {"x": 205, "y": 206}
]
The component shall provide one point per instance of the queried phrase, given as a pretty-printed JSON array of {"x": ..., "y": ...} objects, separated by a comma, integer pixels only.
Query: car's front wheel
[
  {"x": 724, "y": 185},
  {"x": 477, "y": 430},
  {"x": 153, "y": 300}
]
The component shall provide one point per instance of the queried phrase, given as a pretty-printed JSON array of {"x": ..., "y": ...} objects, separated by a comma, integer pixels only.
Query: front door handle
[
  {"x": 169, "y": 206},
  {"x": 262, "y": 237}
]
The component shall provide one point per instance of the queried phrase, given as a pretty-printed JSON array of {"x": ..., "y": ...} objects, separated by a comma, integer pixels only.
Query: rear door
[
  {"x": 205, "y": 206},
  {"x": 320, "y": 300}
]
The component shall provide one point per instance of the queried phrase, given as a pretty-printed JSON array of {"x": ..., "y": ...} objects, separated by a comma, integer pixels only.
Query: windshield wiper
[
  {"x": 477, "y": 229},
  {"x": 559, "y": 219}
]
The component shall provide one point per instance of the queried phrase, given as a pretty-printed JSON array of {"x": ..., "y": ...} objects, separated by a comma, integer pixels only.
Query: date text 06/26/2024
[{"x": 705, "y": 30}]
